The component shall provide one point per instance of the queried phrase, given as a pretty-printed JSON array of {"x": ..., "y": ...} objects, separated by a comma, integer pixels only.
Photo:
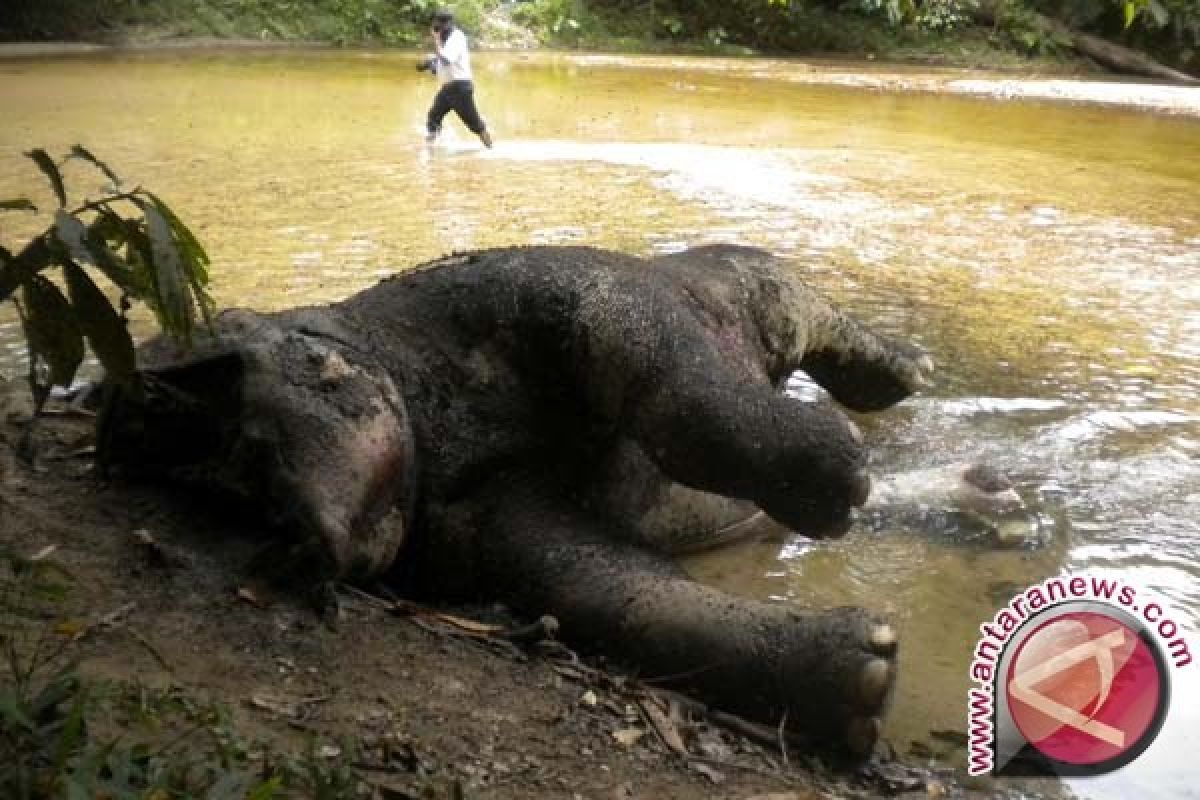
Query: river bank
[
  {"x": 1039, "y": 81},
  {"x": 178, "y": 647}
]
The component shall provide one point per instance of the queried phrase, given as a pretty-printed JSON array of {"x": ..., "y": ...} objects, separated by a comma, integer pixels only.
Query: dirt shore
[{"x": 164, "y": 587}]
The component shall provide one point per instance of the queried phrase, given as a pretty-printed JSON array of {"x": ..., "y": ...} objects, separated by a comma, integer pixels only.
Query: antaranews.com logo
[{"x": 1073, "y": 679}]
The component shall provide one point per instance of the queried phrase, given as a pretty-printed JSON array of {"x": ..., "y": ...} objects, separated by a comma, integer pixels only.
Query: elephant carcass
[{"x": 513, "y": 424}]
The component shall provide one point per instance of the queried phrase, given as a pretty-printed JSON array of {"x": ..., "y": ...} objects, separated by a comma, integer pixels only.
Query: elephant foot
[
  {"x": 826, "y": 676},
  {"x": 845, "y": 676}
]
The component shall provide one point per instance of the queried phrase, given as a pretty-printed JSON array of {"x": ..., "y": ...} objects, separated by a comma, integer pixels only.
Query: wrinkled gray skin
[{"x": 520, "y": 424}]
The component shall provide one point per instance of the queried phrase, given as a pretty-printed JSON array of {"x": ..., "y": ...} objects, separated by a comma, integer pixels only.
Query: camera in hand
[{"x": 428, "y": 65}]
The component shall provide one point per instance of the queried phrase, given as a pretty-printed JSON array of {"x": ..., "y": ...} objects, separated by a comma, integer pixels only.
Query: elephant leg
[
  {"x": 710, "y": 426},
  {"x": 289, "y": 420},
  {"x": 828, "y": 674},
  {"x": 797, "y": 328},
  {"x": 859, "y": 367}
]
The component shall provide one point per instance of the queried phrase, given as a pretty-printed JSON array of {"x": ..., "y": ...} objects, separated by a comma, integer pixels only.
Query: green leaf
[
  {"x": 79, "y": 151},
  {"x": 17, "y": 204},
  {"x": 16, "y": 270},
  {"x": 102, "y": 325},
  {"x": 86, "y": 245},
  {"x": 73, "y": 235},
  {"x": 174, "y": 299},
  {"x": 51, "y": 329},
  {"x": 12, "y": 713},
  {"x": 112, "y": 226},
  {"x": 12, "y": 274},
  {"x": 1158, "y": 13},
  {"x": 72, "y": 733},
  {"x": 196, "y": 260},
  {"x": 266, "y": 790},
  {"x": 140, "y": 258},
  {"x": 185, "y": 234},
  {"x": 50, "y": 169},
  {"x": 45, "y": 705},
  {"x": 105, "y": 258},
  {"x": 1130, "y": 13}
]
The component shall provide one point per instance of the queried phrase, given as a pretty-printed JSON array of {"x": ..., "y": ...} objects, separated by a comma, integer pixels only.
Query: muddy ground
[{"x": 165, "y": 600}]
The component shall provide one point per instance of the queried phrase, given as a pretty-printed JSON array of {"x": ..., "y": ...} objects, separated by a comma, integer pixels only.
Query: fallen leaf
[
  {"x": 469, "y": 625},
  {"x": 44, "y": 553},
  {"x": 714, "y": 775},
  {"x": 247, "y": 594},
  {"x": 567, "y": 672},
  {"x": 708, "y": 743},
  {"x": 276, "y": 705},
  {"x": 114, "y": 616},
  {"x": 70, "y": 627},
  {"x": 629, "y": 736},
  {"x": 663, "y": 725},
  {"x": 409, "y": 608},
  {"x": 589, "y": 698}
]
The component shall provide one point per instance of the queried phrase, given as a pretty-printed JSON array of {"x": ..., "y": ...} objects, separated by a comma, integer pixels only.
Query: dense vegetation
[{"x": 1167, "y": 29}]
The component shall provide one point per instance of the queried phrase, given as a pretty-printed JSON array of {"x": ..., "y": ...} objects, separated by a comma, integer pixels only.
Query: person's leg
[
  {"x": 442, "y": 103},
  {"x": 469, "y": 114}
]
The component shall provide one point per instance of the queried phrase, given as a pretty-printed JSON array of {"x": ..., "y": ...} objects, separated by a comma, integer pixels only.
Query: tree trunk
[
  {"x": 1110, "y": 54},
  {"x": 1122, "y": 59}
]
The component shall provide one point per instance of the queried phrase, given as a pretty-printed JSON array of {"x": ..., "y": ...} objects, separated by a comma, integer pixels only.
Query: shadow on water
[{"x": 1048, "y": 257}]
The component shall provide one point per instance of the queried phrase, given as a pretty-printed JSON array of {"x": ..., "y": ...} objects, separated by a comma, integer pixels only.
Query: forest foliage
[{"x": 1166, "y": 29}]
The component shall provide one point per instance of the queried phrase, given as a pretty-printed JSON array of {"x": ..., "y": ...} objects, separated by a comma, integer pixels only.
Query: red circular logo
[{"x": 1084, "y": 688}]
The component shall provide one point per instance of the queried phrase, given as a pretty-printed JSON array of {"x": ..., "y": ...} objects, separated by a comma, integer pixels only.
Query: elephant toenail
[
  {"x": 873, "y": 683},
  {"x": 883, "y": 639},
  {"x": 924, "y": 377},
  {"x": 862, "y": 733}
]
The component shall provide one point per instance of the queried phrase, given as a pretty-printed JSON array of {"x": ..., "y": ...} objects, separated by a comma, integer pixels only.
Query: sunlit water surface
[{"x": 1048, "y": 256}]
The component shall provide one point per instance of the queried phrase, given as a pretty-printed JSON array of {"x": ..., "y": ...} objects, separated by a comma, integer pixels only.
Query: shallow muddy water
[{"x": 1047, "y": 256}]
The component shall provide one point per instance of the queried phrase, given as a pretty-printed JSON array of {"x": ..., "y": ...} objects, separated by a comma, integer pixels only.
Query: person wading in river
[{"x": 453, "y": 65}]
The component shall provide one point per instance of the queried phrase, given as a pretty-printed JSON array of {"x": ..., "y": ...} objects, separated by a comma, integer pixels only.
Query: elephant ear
[
  {"x": 292, "y": 422},
  {"x": 345, "y": 448}
]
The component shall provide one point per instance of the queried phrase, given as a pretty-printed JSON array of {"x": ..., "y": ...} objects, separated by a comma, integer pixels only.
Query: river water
[{"x": 1048, "y": 256}]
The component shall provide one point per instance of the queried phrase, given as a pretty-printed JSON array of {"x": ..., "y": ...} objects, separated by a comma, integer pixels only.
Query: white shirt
[{"x": 455, "y": 63}]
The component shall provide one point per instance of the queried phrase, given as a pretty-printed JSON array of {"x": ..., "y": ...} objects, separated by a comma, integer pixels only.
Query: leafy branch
[{"x": 129, "y": 236}]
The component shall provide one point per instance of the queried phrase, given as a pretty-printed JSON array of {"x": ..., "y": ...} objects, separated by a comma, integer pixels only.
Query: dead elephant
[{"x": 527, "y": 424}]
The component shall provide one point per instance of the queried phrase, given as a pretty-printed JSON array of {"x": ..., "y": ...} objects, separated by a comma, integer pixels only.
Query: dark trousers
[{"x": 459, "y": 97}]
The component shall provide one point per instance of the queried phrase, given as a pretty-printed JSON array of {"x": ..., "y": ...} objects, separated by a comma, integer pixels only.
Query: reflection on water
[{"x": 1048, "y": 257}]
